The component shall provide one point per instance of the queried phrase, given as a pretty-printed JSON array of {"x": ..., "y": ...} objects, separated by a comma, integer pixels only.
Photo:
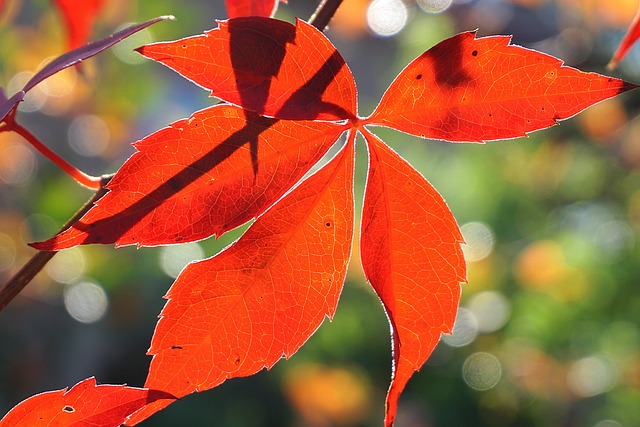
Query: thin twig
[
  {"x": 92, "y": 182},
  {"x": 37, "y": 262},
  {"x": 323, "y": 14}
]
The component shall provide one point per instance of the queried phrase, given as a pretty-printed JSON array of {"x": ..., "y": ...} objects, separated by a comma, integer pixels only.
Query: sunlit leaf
[
  {"x": 260, "y": 299},
  {"x": 267, "y": 66},
  {"x": 411, "y": 255},
  {"x": 473, "y": 90},
  {"x": 200, "y": 177},
  {"x": 238, "y": 8},
  {"x": 85, "y": 404}
]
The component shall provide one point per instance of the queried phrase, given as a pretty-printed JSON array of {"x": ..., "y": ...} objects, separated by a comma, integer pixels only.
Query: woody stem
[
  {"x": 323, "y": 14},
  {"x": 37, "y": 262}
]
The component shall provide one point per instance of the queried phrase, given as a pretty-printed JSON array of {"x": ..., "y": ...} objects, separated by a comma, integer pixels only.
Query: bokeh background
[{"x": 548, "y": 330}]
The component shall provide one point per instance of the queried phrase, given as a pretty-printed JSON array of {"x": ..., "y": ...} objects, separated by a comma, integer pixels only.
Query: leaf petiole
[{"x": 92, "y": 182}]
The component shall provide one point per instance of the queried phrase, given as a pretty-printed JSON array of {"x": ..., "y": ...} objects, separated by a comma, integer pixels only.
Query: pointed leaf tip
[
  {"x": 629, "y": 39},
  {"x": 254, "y": 62},
  {"x": 263, "y": 296},
  {"x": 199, "y": 186},
  {"x": 86, "y": 403},
  {"x": 468, "y": 89},
  {"x": 412, "y": 256},
  {"x": 86, "y": 51}
]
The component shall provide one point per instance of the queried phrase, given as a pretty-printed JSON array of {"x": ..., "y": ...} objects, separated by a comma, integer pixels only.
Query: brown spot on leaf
[{"x": 447, "y": 56}]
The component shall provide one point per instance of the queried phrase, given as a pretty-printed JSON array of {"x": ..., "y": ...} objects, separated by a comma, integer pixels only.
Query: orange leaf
[
  {"x": 411, "y": 254},
  {"x": 243, "y": 309},
  {"x": 238, "y": 8},
  {"x": 267, "y": 66},
  {"x": 633, "y": 33},
  {"x": 200, "y": 176},
  {"x": 79, "y": 17},
  {"x": 86, "y": 404},
  {"x": 473, "y": 90}
]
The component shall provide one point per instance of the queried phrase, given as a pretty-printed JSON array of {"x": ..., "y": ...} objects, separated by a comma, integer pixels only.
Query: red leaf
[
  {"x": 79, "y": 17},
  {"x": 633, "y": 33},
  {"x": 264, "y": 8},
  {"x": 86, "y": 404},
  {"x": 474, "y": 90},
  {"x": 263, "y": 296},
  {"x": 200, "y": 176},
  {"x": 411, "y": 254},
  {"x": 267, "y": 66}
]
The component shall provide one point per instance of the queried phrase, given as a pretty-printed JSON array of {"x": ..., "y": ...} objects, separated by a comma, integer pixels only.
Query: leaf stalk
[{"x": 82, "y": 178}]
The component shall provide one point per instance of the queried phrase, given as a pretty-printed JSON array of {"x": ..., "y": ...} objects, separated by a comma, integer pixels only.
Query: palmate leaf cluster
[{"x": 483, "y": 176}]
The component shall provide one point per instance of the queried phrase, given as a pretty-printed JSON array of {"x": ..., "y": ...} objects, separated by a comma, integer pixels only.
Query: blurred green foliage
[{"x": 548, "y": 333}]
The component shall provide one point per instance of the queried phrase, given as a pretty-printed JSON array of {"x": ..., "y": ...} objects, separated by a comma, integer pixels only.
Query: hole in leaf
[
  {"x": 176, "y": 347},
  {"x": 474, "y": 53},
  {"x": 327, "y": 224},
  {"x": 68, "y": 409},
  {"x": 419, "y": 76}
]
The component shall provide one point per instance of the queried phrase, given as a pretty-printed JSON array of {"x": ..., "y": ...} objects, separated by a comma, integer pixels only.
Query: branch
[
  {"x": 22, "y": 278},
  {"x": 323, "y": 14}
]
